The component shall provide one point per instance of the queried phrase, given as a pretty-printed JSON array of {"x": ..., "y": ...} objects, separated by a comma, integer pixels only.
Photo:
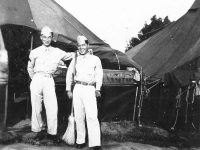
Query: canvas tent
[
  {"x": 172, "y": 57},
  {"x": 171, "y": 48},
  {"x": 20, "y": 25},
  {"x": 38, "y": 13}
]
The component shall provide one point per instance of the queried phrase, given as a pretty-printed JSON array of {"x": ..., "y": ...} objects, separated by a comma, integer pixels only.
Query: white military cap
[
  {"x": 81, "y": 39},
  {"x": 46, "y": 30}
]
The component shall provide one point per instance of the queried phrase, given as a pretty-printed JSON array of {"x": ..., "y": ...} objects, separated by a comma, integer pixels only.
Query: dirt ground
[
  {"x": 105, "y": 146},
  {"x": 115, "y": 136}
]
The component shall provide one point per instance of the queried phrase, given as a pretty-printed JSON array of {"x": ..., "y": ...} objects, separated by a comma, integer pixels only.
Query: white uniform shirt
[
  {"x": 46, "y": 60},
  {"x": 88, "y": 69}
]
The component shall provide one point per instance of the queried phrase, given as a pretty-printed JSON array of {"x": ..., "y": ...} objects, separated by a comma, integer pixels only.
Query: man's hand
[
  {"x": 69, "y": 94},
  {"x": 97, "y": 93}
]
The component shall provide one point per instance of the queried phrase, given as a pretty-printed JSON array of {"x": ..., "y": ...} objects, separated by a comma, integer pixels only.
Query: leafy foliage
[{"x": 156, "y": 25}]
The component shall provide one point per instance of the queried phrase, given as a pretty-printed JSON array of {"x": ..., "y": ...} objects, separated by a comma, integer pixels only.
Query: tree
[
  {"x": 133, "y": 41},
  {"x": 156, "y": 25}
]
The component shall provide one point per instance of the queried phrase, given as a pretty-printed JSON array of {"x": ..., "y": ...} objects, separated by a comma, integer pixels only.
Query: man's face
[
  {"x": 46, "y": 38},
  {"x": 83, "y": 47}
]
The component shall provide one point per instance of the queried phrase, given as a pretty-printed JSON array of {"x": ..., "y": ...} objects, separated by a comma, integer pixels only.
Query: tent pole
[
  {"x": 29, "y": 80},
  {"x": 135, "y": 104},
  {"x": 141, "y": 99},
  {"x": 31, "y": 42},
  {"x": 6, "y": 107}
]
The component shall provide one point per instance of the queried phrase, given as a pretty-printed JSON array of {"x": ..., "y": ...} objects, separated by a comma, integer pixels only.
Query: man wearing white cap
[
  {"x": 42, "y": 64},
  {"x": 88, "y": 78}
]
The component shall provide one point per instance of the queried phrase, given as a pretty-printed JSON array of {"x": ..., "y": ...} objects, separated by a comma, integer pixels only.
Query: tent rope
[
  {"x": 148, "y": 90},
  {"x": 178, "y": 105},
  {"x": 154, "y": 81},
  {"x": 184, "y": 91},
  {"x": 193, "y": 111},
  {"x": 187, "y": 99}
]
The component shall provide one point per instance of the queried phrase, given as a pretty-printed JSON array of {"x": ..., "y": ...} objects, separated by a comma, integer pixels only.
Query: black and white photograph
[{"x": 99, "y": 74}]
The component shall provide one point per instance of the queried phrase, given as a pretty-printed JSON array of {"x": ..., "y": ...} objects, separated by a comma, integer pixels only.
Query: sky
[{"x": 117, "y": 21}]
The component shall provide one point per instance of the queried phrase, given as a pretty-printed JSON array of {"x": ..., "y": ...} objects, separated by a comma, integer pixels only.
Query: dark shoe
[
  {"x": 55, "y": 138},
  {"x": 97, "y": 148},
  {"x": 80, "y": 146},
  {"x": 39, "y": 136}
]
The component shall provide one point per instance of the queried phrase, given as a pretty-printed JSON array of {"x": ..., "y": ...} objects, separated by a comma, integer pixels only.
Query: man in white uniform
[
  {"x": 42, "y": 64},
  {"x": 88, "y": 81}
]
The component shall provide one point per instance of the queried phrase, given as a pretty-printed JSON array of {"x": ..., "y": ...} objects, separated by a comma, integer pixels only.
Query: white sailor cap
[
  {"x": 46, "y": 30},
  {"x": 81, "y": 39}
]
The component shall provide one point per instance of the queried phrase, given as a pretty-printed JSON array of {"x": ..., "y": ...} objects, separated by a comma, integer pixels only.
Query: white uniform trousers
[
  {"x": 85, "y": 105},
  {"x": 43, "y": 89}
]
